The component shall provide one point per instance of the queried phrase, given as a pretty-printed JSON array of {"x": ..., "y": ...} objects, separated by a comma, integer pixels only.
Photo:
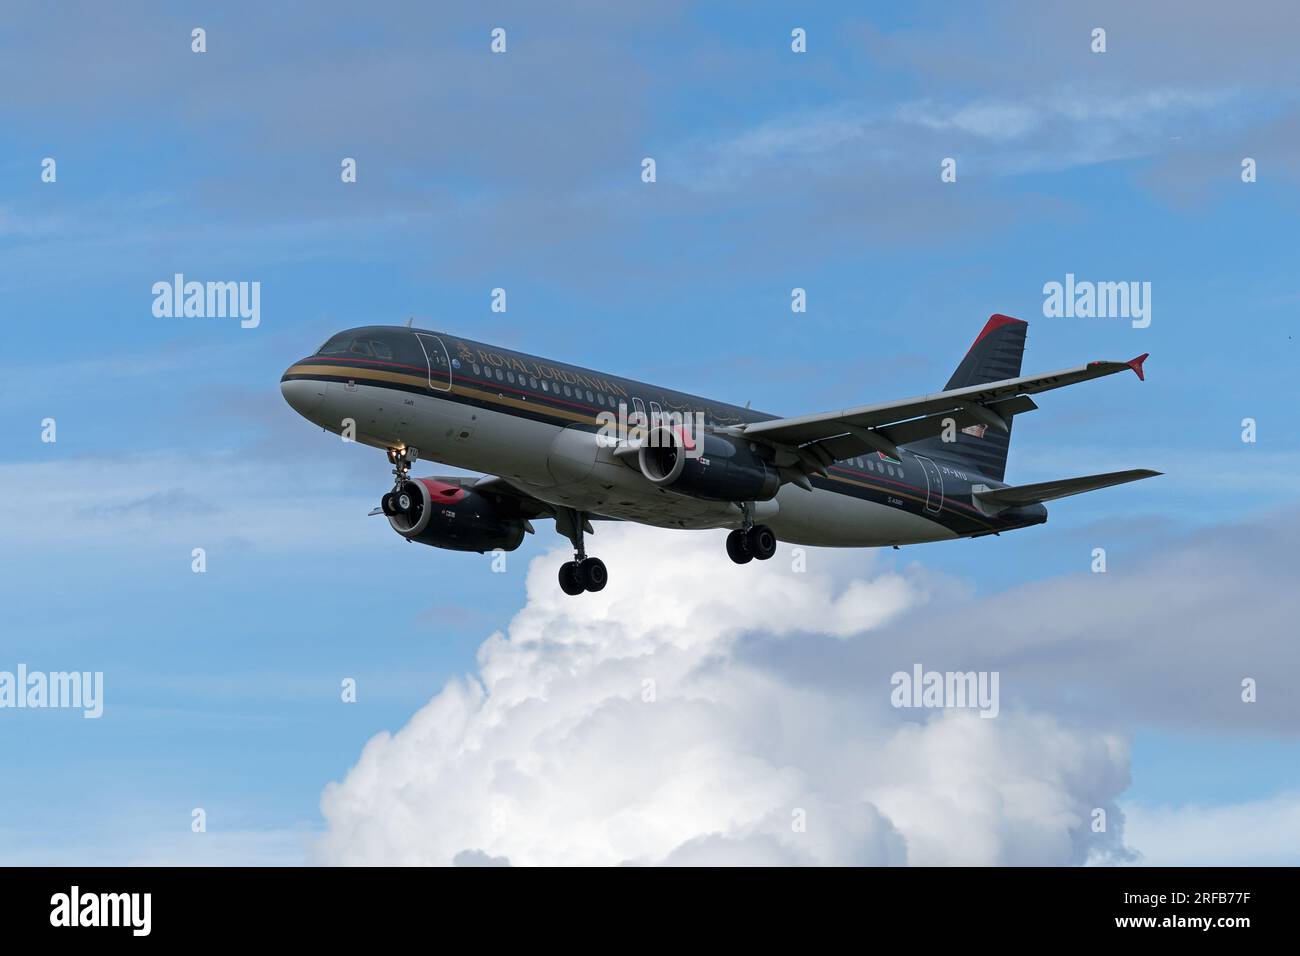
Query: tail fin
[{"x": 996, "y": 354}]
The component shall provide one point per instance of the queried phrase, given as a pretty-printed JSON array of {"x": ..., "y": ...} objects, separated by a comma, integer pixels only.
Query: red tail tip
[
  {"x": 1136, "y": 365},
  {"x": 996, "y": 321}
]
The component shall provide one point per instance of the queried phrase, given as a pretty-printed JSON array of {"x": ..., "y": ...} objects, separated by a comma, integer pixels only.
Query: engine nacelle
[
  {"x": 726, "y": 469},
  {"x": 455, "y": 518}
]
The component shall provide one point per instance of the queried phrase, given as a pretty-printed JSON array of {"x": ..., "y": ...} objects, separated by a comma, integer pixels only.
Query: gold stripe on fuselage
[{"x": 420, "y": 381}]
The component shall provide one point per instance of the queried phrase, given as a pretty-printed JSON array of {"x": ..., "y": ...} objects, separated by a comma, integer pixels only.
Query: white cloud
[
  {"x": 1262, "y": 832},
  {"x": 1052, "y": 129},
  {"x": 552, "y": 754},
  {"x": 1003, "y": 120}
]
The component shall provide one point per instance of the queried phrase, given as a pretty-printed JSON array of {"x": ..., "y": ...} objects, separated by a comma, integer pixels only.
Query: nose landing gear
[
  {"x": 397, "y": 500},
  {"x": 402, "y": 459}
]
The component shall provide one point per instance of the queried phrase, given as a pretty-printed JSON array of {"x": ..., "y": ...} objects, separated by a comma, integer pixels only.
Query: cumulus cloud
[{"x": 636, "y": 727}]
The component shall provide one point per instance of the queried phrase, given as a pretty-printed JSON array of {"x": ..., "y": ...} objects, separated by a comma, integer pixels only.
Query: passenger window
[
  {"x": 589, "y": 398},
  {"x": 500, "y": 377},
  {"x": 568, "y": 392},
  {"x": 477, "y": 370},
  {"x": 532, "y": 381},
  {"x": 545, "y": 387},
  {"x": 511, "y": 377}
]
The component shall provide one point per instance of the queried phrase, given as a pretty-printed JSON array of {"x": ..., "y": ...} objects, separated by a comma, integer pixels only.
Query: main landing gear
[
  {"x": 582, "y": 573},
  {"x": 751, "y": 541},
  {"x": 398, "y": 501}
]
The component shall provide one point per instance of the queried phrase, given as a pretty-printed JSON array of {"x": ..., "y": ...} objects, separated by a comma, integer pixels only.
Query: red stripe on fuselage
[{"x": 359, "y": 358}]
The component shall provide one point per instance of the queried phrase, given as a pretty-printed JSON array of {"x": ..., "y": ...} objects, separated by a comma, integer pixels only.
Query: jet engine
[
  {"x": 449, "y": 516},
  {"x": 725, "y": 468}
]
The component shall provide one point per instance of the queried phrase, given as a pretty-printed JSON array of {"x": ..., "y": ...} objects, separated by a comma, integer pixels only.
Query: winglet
[{"x": 1136, "y": 365}]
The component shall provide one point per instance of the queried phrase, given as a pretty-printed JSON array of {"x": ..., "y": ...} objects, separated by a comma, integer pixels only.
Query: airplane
[{"x": 556, "y": 441}]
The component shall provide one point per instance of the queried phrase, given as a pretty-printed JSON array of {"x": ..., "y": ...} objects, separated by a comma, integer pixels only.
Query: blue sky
[{"x": 522, "y": 171}]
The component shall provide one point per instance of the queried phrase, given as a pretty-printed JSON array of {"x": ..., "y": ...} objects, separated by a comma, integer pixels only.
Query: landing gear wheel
[
  {"x": 386, "y": 505},
  {"x": 592, "y": 573},
  {"x": 570, "y": 578},
  {"x": 761, "y": 541},
  {"x": 738, "y": 547},
  {"x": 406, "y": 501}
]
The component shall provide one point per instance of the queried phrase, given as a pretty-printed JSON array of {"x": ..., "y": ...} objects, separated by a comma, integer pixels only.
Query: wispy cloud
[{"x": 1054, "y": 130}]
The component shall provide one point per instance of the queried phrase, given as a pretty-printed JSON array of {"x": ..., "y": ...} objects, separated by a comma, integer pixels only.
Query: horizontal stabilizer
[{"x": 1018, "y": 496}]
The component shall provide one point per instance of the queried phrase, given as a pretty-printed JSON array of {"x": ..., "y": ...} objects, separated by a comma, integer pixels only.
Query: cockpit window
[
  {"x": 365, "y": 345},
  {"x": 378, "y": 344},
  {"x": 338, "y": 345}
]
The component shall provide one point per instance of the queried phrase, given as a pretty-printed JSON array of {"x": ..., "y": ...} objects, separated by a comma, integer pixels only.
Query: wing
[
  {"x": 819, "y": 440},
  {"x": 505, "y": 494}
]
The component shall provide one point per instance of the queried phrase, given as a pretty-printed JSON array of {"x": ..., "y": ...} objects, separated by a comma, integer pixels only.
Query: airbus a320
[{"x": 556, "y": 441}]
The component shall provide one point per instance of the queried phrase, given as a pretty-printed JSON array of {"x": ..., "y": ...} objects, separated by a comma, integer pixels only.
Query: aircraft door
[
  {"x": 933, "y": 485},
  {"x": 435, "y": 354}
]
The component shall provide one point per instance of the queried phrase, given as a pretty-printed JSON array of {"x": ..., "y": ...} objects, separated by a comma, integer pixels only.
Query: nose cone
[{"x": 304, "y": 395}]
